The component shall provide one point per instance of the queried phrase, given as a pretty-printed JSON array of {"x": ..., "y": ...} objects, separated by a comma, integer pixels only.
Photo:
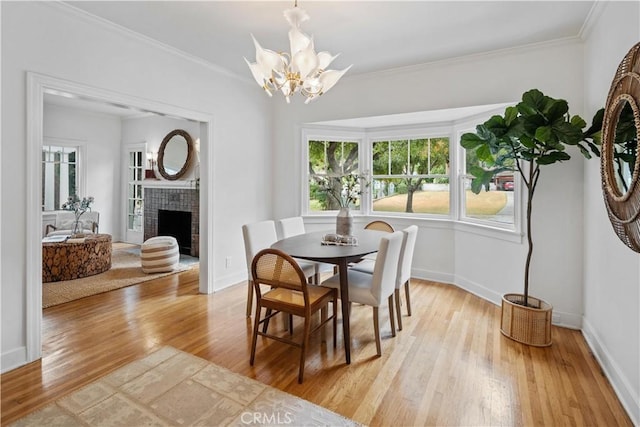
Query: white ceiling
[{"x": 371, "y": 35}]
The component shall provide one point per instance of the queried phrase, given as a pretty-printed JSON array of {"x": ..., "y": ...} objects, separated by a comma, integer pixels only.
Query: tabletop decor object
[
  {"x": 78, "y": 207},
  {"x": 532, "y": 134},
  {"x": 346, "y": 191}
]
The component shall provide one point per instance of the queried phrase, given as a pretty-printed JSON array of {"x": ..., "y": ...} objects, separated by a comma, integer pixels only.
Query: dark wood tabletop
[{"x": 309, "y": 246}]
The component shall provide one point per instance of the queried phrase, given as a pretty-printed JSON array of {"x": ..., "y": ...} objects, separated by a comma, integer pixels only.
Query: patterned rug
[
  {"x": 125, "y": 271},
  {"x": 173, "y": 388}
]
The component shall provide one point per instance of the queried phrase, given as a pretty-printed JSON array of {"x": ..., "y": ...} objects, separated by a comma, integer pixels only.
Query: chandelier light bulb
[{"x": 301, "y": 70}]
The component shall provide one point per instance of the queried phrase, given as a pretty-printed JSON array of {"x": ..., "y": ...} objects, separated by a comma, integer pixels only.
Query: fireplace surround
[{"x": 177, "y": 204}]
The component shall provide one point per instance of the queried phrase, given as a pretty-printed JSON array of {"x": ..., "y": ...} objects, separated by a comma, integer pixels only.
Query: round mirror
[
  {"x": 625, "y": 146},
  {"x": 174, "y": 155},
  {"x": 619, "y": 161}
]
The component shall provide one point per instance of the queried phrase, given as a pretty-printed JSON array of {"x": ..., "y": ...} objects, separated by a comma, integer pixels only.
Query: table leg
[{"x": 344, "y": 303}]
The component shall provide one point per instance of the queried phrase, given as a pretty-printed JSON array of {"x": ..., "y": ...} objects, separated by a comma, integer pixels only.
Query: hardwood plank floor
[{"x": 448, "y": 366}]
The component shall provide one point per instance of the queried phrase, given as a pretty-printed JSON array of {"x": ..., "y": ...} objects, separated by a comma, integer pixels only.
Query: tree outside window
[
  {"x": 411, "y": 176},
  {"x": 330, "y": 164}
]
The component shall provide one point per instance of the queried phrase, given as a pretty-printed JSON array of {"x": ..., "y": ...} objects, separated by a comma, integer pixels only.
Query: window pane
[
  {"x": 399, "y": 157},
  {"x": 489, "y": 205},
  {"x": 412, "y": 195},
  {"x": 380, "y": 158},
  {"x": 59, "y": 180},
  {"x": 330, "y": 164},
  {"x": 419, "y": 181}
]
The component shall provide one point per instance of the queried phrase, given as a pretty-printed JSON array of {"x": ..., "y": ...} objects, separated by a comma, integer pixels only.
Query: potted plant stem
[{"x": 532, "y": 134}]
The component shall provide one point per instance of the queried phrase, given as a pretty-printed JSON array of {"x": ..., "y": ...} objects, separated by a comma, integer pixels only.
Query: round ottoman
[{"x": 159, "y": 254}]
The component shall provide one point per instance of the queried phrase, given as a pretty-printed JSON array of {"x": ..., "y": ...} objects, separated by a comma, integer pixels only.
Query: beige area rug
[
  {"x": 173, "y": 388},
  {"x": 125, "y": 271}
]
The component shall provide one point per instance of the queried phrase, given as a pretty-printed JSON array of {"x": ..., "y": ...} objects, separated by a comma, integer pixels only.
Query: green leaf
[
  {"x": 470, "y": 141},
  {"x": 510, "y": 115},
  {"x": 552, "y": 157},
  {"x": 484, "y": 154},
  {"x": 534, "y": 99},
  {"x": 567, "y": 133},
  {"x": 578, "y": 121},
  {"x": 584, "y": 151},
  {"x": 556, "y": 109},
  {"x": 545, "y": 134},
  {"x": 476, "y": 185}
]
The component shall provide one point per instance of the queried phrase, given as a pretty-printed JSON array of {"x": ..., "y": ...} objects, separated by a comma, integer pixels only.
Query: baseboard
[
  {"x": 13, "y": 359},
  {"x": 612, "y": 371},
  {"x": 229, "y": 280}
]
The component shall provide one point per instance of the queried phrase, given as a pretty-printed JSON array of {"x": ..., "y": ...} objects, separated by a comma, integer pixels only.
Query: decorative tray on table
[{"x": 339, "y": 240}]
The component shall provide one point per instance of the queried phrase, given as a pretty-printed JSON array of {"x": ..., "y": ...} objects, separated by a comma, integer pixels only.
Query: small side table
[{"x": 73, "y": 260}]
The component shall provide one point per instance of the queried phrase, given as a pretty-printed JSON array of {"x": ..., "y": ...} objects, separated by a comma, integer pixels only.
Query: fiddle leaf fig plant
[{"x": 532, "y": 134}]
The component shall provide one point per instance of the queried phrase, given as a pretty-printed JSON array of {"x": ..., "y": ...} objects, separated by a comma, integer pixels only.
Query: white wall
[
  {"x": 611, "y": 270},
  {"x": 100, "y": 135},
  {"x": 486, "y": 266},
  {"x": 48, "y": 38}
]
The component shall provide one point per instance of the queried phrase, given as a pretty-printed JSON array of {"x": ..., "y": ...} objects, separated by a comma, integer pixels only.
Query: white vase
[{"x": 344, "y": 222}]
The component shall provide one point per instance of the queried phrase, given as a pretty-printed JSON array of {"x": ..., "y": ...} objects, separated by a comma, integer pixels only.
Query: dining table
[{"x": 309, "y": 246}]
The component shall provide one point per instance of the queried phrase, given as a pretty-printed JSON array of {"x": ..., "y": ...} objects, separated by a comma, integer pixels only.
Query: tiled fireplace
[{"x": 167, "y": 212}]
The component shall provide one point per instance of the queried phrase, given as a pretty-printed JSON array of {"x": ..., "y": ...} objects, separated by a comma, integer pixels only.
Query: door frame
[{"x": 37, "y": 86}]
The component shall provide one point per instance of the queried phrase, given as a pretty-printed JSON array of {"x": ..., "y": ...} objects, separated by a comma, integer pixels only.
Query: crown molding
[
  {"x": 111, "y": 26},
  {"x": 592, "y": 18},
  {"x": 467, "y": 58}
]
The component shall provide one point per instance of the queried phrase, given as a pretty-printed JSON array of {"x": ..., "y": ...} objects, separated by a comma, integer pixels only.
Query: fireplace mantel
[{"x": 164, "y": 183}]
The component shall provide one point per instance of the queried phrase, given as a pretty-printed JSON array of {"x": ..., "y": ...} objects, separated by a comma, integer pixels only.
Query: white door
[{"x": 134, "y": 205}]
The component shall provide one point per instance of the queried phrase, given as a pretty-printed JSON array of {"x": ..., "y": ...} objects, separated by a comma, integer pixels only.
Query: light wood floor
[{"x": 449, "y": 366}]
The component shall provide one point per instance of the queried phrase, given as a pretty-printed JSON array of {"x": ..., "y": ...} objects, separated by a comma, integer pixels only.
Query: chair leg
[
  {"x": 289, "y": 318},
  {"x": 323, "y": 317},
  {"x": 303, "y": 349},
  {"x": 249, "y": 297},
  {"x": 376, "y": 329},
  {"x": 256, "y": 325},
  {"x": 396, "y": 297},
  {"x": 335, "y": 321},
  {"x": 265, "y": 325},
  {"x": 406, "y": 292},
  {"x": 392, "y": 316}
]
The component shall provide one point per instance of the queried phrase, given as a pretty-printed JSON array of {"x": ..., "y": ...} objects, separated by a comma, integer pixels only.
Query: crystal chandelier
[{"x": 303, "y": 70}]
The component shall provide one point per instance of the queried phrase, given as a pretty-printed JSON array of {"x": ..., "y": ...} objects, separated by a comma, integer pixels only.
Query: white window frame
[{"x": 81, "y": 170}]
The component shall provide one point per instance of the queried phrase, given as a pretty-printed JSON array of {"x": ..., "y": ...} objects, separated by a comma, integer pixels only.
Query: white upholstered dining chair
[
  {"x": 294, "y": 226},
  {"x": 258, "y": 236},
  {"x": 373, "y": 289},
  {"x": 403, "y": 277}
]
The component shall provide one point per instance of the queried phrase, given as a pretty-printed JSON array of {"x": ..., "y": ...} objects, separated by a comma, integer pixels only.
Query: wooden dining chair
[
  {"x": 380, "y": 226},
  {"x": 374, "y": 289},
  {"x": 289, "y": 294},
  {"x": 403, "y": 276}
]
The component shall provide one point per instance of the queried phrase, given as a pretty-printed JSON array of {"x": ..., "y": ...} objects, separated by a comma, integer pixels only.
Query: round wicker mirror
[
  {"x": 619, "y": 165},
  {"x": 174, "y": 155}
]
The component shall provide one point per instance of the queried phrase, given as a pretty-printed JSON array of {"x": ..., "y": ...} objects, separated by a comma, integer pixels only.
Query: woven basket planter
[{"x": 528, "y": 325}]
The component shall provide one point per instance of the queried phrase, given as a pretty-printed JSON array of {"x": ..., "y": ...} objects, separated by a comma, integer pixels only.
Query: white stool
[{"x": 159, "y": 254}]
